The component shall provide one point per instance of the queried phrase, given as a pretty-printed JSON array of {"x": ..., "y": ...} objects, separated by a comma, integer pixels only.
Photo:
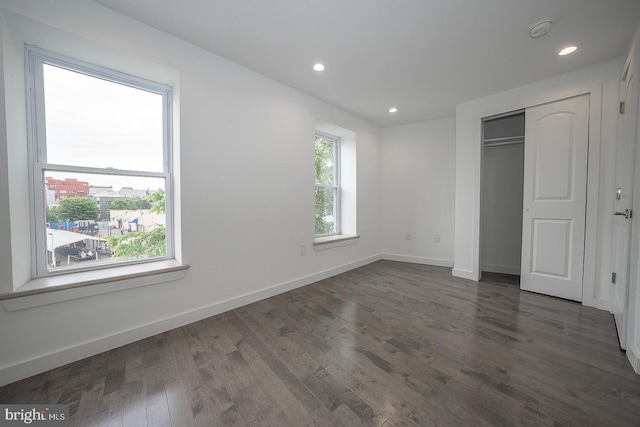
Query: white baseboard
[
  {"x": 34, "y": 366},
  {"x": 504, "y": 269},
  {"x": 464, "y": 274},
  {"x": 418, "y": 260},
  {"x": 21, "y": 370},
  {"x": 634, "y": 357}
]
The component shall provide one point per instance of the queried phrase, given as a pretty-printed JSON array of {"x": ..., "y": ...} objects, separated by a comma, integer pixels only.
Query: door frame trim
[{"x": 469, "y": 133}]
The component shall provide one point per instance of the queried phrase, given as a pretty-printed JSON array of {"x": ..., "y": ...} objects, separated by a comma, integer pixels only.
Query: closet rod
[
  {"x": 506, "y": 138},
  {"x": 500, "y": 144}
]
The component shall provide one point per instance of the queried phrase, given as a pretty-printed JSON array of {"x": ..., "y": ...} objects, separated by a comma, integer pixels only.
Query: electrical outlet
[
  {"x": 303, "y": 249},
  {"x": 436, "y": 238},
  {"x": 409, "y": 235}
]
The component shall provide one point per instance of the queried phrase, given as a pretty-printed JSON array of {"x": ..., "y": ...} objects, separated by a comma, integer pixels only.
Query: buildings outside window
[{"x": 93, "y": 126}]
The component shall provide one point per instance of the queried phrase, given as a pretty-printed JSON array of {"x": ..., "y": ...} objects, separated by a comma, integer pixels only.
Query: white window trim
[
  {"x": 16, "y": 251},
  {"x": 348, "y": 189},
  {"x": 336, "y": 184},
  {"x": 329, "y": 242},
  {"x": 52, "y": 289},
  {"x": 35, "y": 58}
]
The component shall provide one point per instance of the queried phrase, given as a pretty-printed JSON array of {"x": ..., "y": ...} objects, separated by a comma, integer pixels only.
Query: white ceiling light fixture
[
  {"x": 393, "y": 109},
  {"x": 540, "y": 28},
  {"x": 318, "y": 67},
  {"x": 567, "y": 50}
]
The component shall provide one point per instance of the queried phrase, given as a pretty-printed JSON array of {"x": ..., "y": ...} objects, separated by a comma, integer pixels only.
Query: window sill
[
  {"x": 322, "y": 243},
  {"x": 53, "y": 289}
]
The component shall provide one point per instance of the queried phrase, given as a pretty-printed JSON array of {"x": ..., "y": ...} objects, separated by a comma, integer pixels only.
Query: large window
[
  {"x": 327, "y": 165},
  {"x": 109, "y": 134}
]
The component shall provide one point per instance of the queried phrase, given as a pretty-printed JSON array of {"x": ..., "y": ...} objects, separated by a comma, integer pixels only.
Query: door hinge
[
  {"x": 613, "y": 278},
  {"x": 621, "y": 107}
]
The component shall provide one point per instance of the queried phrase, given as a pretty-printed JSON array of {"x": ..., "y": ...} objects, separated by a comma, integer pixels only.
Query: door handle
[{"x": 624, "y": 214}]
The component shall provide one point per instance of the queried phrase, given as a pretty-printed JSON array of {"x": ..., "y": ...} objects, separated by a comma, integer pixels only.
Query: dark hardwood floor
[{"x": 388, "y": 344}]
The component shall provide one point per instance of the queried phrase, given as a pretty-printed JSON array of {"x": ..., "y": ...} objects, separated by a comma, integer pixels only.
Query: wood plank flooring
[{"x": 388, "y": 344}]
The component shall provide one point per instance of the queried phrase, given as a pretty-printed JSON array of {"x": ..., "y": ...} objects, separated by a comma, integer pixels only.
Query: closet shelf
[{"x": 509, "y": 140}]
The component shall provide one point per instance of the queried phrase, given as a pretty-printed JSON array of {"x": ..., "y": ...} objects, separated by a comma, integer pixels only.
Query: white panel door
[
  {"x": 555, "y": 197},
  {"x": 625, "y": 157}
]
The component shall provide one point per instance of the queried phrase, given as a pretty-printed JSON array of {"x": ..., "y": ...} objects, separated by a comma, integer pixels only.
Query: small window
[
  {"x": 327, "y": 165},
  {"x": 97, "y": 127}
]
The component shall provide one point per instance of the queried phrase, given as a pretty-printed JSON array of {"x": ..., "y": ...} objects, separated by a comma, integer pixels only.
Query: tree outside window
[
  {"x": 109, "y": 130},
  {"x": 327, "y": 159}
]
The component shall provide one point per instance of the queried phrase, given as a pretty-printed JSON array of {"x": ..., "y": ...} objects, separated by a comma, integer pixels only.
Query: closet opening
[{"x": 501, "y": 197}]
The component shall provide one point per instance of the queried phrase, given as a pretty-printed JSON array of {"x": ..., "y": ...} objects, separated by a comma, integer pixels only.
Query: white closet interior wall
[{"x": 502, "y": 185}]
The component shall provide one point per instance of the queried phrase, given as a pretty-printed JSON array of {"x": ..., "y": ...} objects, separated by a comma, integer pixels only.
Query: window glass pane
[
  {"x": 108, "y": 219},
  {"x": 93, "y": 122},
  {"x": 325, "y": 212},
  {"x": 325, "y": 158}
]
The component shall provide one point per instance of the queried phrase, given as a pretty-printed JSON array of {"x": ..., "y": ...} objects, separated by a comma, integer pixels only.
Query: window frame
[
  {"x": 36, "y": 125},
  {"x": 336, "y": 185}
]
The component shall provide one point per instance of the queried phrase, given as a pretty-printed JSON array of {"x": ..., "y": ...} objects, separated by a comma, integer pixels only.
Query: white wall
[
  {"x": 247, "y": 190},
  {"x": 633, "y": 318},
  {"x": 418, "y": 180},
  {"x": 601, "y": 80}
]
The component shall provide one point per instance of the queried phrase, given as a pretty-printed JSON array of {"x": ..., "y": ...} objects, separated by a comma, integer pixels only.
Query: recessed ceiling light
[
  {"x": 318, "y": 67},
  {"x": 567, "y": 50},
  {"x": 393, "y": 110}
]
